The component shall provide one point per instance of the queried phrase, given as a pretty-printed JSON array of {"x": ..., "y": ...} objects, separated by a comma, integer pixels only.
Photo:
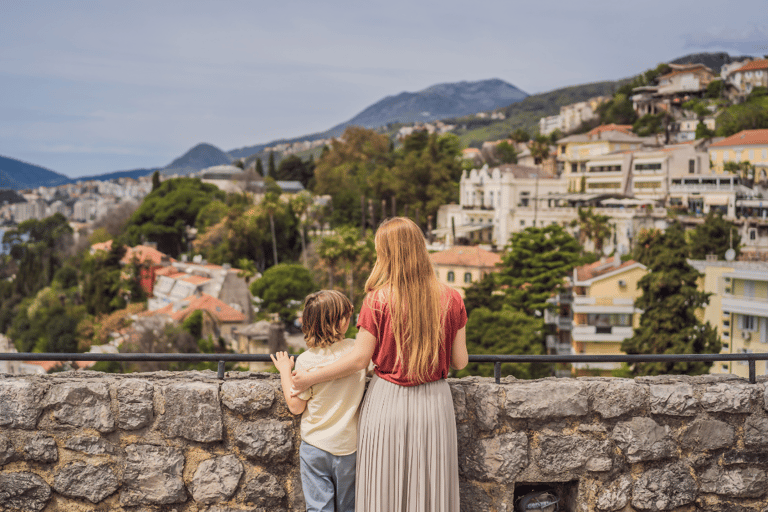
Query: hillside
[
  {"x": 18, "y": 175},
  {"x": 199, "y": 157},
  {"x": 134, "y": 174}
]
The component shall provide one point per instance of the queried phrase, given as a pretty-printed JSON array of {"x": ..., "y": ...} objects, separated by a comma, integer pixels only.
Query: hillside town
[{"x": 576, "y": 170}]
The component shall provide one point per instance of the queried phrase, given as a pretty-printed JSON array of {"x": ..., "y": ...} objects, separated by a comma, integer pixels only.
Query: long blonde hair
[{"x": 404, "y": 278}]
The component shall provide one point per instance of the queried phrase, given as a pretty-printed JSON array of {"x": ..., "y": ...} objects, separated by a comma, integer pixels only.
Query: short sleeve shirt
[{"x": 375, "y": 317}]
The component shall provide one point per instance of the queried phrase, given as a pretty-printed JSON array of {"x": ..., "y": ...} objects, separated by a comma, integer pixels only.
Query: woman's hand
[{"x": 300, "y": 381}]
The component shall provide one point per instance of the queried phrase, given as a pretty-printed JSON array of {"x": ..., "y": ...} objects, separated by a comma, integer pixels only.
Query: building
[
  {"x": 604, "y": 312},
  {"x": 461, "y": 265},
  {"x": 737, "y": 309},
  {"x": 549, "y": 124},
  {"x": 686, "y": 128},
  {"x": 683, "y": 82},
  {"x": 574, "y": 115},
  {"x": 745, "y": 78},
  {"x": 747, "y": 145}
]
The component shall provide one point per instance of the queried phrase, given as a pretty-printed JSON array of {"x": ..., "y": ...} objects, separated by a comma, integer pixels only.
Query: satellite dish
[{"x": 730, "y": 255}]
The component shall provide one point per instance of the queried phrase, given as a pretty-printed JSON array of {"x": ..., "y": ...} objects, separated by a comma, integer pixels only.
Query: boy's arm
[{"x": 285, "y": 364}]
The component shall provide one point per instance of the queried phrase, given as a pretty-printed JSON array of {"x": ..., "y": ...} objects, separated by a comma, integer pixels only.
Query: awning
[
  {"x": 461, "y": 230},
  {"x": 716, "y": 200}
]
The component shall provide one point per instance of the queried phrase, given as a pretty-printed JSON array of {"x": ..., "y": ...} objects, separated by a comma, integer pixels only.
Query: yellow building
[
  {"x": 737, "y": 309},
  {"x": 747, "y": 145},
  {"x": 462, "y": 265},
  {"x": 574, "y": 151},
  {"x": 604, "y": 312}
]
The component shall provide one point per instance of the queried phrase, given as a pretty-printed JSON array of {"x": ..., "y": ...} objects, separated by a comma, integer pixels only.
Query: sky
[{"x": 89, "y": 87}]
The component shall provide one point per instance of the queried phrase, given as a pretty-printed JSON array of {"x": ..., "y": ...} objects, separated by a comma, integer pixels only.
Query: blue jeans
[{"x": 328, "y": 480}]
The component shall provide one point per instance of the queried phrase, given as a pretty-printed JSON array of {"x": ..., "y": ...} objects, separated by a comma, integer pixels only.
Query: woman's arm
[
  {"x": 459, "y": 356},
  {"x": 356, "y": 359}
]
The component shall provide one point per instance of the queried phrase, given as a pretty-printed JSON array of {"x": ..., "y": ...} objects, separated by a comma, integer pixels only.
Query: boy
[{"x": 330, "y": 410}]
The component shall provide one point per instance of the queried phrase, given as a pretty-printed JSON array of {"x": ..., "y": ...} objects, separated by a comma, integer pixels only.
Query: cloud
[{"x": 752, "y": 41}]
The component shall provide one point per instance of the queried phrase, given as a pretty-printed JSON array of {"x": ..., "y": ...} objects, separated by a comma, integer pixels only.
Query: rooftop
[
  {"x": 466, "y": 256},
  {"x": 744, "y": 138}
]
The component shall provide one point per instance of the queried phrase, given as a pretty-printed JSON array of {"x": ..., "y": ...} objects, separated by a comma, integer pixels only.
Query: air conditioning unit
[
  {"x": 622, "y": 283},
  {"x": 746, "y": 335}
]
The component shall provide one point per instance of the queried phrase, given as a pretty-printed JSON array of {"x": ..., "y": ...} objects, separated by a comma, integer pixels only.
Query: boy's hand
[{"x": 282, "y": 361}]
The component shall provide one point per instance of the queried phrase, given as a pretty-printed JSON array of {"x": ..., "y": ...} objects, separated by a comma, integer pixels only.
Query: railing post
[
  {"x": 221, "y": 370},
  {"x": 752, "y": 378},
  {"x": 497, "y": 371}
]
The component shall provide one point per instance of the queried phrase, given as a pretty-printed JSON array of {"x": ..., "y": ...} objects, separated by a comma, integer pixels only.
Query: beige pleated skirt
[{"x": 407, "y": 459}]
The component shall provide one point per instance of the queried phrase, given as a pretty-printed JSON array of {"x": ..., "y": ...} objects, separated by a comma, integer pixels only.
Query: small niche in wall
[{"x": 546, "y": 496}]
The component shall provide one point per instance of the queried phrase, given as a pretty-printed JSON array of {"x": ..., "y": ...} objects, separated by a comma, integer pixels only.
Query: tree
[
  {"x": 271, "y": 169},
  {"x": 750, "y": 115},
  {"x": 300, "y": 204},
  {"x": 650, "y": 124},
  {"x": 534, "y": 266},
  {"x": 505, "y": 332},
  {"x": 481, "y": 294},
  {"x": 165, "y": 213},
  {"x": 506, "y": 153},
  {"x": 703, "y": 132},
  {"x": 618, "y": 109},
  {"x": 715, "y": 89},
  {"x": 293, "y": 168},
  {"x": 281, "y": 286},
  {"x": 259, "y": 168},
  {"x": 247, "y": 269},
  {"x": 155, "y": 180},
  {"x": 539, "y": 147},
  {"x": 520, "y": 135},
  {"x": 102, "y": 281},
  {"x": 714, "y": 236},
  {"x": 592, "y": 226},
  {"x": 668, "y": 324}
]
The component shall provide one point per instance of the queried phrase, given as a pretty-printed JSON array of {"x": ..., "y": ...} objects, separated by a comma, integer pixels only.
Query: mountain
[
  {"x": 713, "y": 61},
  {"x": 135, "y": 173},
  {"x": 197, "y": 158},
  {"x": 18, "y": 175}
]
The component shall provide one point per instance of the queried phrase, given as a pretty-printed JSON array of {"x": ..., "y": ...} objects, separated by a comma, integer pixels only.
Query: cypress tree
[
  {"x": 271, "y": 169},
  {"x": 670, "y": 298},
  {"x": 259, "y": 168}
]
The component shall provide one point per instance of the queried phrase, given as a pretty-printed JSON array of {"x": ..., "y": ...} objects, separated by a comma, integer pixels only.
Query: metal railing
[{"x": 497, "y": 360}]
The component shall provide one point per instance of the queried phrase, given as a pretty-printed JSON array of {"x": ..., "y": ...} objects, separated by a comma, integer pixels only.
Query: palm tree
[
  {"x": 271, "y": 203},
  {"x": 539, "y": 149},
  {"x": 300, "y": 205},
  {"x": 592, "y": 226}
]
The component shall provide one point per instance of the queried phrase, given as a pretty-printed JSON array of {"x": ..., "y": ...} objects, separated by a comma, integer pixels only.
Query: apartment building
[
  {"x": 604, "y": 312},
  {"x": 462, "y": 265},
  {"x": 745, "y": 78},
  {"x": 737, "y": 309},
  {"x": 747, "y": 145}
]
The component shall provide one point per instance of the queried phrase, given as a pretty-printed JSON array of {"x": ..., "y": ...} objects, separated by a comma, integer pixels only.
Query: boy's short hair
[{"x": 323, "y": 313}]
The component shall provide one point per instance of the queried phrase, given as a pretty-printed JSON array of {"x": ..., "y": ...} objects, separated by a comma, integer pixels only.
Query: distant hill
[
  {"x": 713, "y": 61},
  {"x": 197, "y": 158},
  {"x": 135, "y": 173},
  {"x": 18, "y": 175}
]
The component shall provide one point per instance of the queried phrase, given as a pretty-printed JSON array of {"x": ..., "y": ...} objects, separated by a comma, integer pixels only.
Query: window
[
  {"x": 765, "y": 154},
  {"x": 574, "y": 168},
  {"x": 451, "y": 277},
  {"x": 748, "y": 323},
  {"x": 691, "y": 166},
  {"x": 648, "y": 167},
  {"x": 522, "y": 222},
  {"x": 751, "y": 154},
  {"x": 753, "y": 234},
  {"x": 467, "y": 277}
]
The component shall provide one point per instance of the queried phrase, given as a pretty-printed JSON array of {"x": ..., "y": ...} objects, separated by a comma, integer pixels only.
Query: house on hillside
[
  {"x": 742, "y": 80},
  {"x": 604, "y": 312},
  {"x": 462, "y": 265},
  {"x": 150, "y": 259},
  {"x": 683, "y": 82}
]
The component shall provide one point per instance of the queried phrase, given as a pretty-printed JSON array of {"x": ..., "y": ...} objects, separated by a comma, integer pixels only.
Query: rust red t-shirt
[{"x": 375, "y": 318}]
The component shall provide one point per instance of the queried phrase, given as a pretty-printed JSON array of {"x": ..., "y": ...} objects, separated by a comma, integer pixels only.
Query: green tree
[
  {"x": 271, "y": 169},
  {"x": 534, "y": 266},
  {"x": 165, "y": 213},
  {"x": 281, "y": 287},
  {"x": 592, "y": 226},
  {"x": 668, "y": 324},
  {"x": 155, "y": 180},
  {"x": 618, "y": 109},
  {"x": 259, "y": 168},
  {"x": 293, "y": 168},
  {"x": 703, "y": 132},
  {"x": 714, "y": 236},
  {"x": 506, "y": 153},
  {"x": 750, "y": 115},
  {"x": 505, "y": 332},
  {"x": 483, "y": 294},
  {"x": 101, "y": 279},
  {"x": 539, "y": 147},
  {"x": 650, "y": 124},
  {"x": 520, "y": 135},
  {"x": 247, "y": 269},
  {"x": 715, "y": 89}
]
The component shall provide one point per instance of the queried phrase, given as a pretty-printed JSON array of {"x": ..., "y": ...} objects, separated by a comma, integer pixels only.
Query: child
[{"x": 330, "y": 409}]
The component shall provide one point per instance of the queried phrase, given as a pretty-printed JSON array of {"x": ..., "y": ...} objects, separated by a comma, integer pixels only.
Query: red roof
[
  {"x": 625, "y": 128},
  {"x": 599, "y": 268},
  {"x": 223, "y": 312},
  {"x": 47, "y": 365},
  {"x": 744, "y": 138},
  {"x": 196, "y": 279},
  {"x": 144, "y": 253},
  {"x": 466, "y": 256},
  {"x": 755, "y": 64}
]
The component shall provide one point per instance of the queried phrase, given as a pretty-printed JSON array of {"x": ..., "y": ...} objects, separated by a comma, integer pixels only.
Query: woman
[{"x": 413, "y": 328}]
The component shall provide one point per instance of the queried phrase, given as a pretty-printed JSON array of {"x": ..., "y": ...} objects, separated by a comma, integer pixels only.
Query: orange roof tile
[
  {"x": 102, "y": 246},
  {"x": 47, "y": 365},
  {"x": 146, "y": 254},
  {"x": 744, "y": 138},
  {"x": 625, "y": 128},
  {"x": 166, "y": 271},
  {"x": 470, "y": 150},
  {"x": 220, "y": 310},
  {"x": 598, "y": 268},
  {"x": 466, "y": 256},
  {"x": 755, "y": 64},
  {"x": 196, "y": 279}
]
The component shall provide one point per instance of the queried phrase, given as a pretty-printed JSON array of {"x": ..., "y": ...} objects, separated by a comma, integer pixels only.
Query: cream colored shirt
[{"x": 330, "y": 420}]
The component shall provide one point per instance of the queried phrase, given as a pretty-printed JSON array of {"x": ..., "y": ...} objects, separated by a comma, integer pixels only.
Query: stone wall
[{"x": 188, "y": 442}]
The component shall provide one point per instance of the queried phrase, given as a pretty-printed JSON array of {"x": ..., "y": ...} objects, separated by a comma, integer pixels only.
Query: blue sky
[{"x": 99, "y": 86}]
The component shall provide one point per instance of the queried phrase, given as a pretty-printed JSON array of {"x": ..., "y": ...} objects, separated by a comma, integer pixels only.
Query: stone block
[
  {"x": 216, "y": 479},
  {"x": 673, "y": 399},
  {"x": 616, "y": 495},
  {"x": 500, "y": 458},
  {"x": 642, "y": 439},
  {"x": 81, "y": 480},
  {"x": 152, "y": 476},
  {"x": 265, "y": 440},
  {"x": 264, "y": 490},
  {"x": 747, "y": 482},
  {"x": 21, "y": 402},
  {"x": 705, "y": 434},
  {"x": 614, "y": 398},
  {"x": 756, "y": 432},
  {"x": 563, "y": 454},
  {"x": 247, "y": 396},
  {"x": 82, "y": 404},
  {"x": 41, "y": 448},
  {"x": 92, "y": 445},
  {"x": 664, "y": 488},
  {"x": 487, "y": 405},
  {"x": 192, "y": 411},
  {"x": 134, "y": 404},
  {"x": 729, "y": 397},
  {"x": 546, "y": 399},
  {"x": 459, "y": 395},
  {"x": 23, "y": 491},
  {"x": 7, "y": 450}
]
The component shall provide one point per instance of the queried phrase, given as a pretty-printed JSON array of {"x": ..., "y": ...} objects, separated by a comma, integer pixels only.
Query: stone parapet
[{"x": 86, "y": 441}]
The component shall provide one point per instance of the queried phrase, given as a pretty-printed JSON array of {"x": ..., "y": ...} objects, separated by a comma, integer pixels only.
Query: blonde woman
[{"x": 413, "y": 329}]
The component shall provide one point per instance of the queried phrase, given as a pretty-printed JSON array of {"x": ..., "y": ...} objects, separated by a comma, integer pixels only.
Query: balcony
[
  {"x": 743, "y": 305},
  {"x": 598, "y": 333}
]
